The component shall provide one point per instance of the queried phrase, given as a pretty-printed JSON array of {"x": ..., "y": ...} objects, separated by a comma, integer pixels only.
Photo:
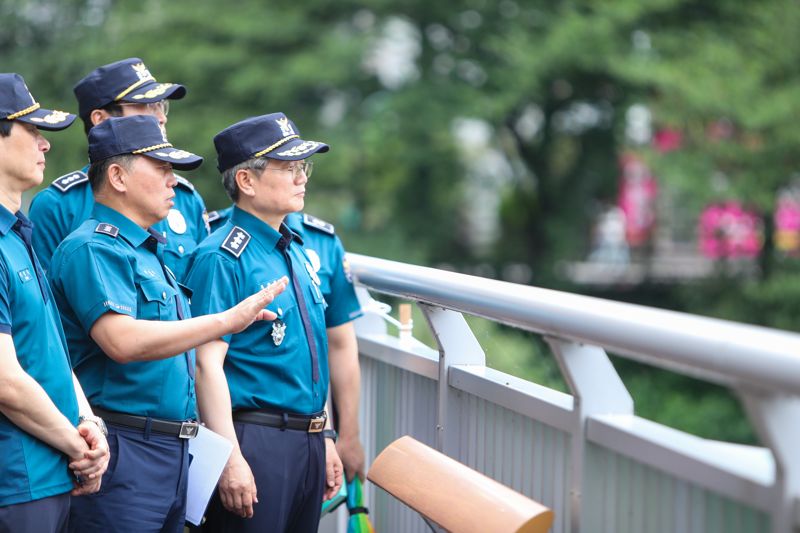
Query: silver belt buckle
[
  {"x": 189, "y": 430},
  {"x": 315, "y": 425}
]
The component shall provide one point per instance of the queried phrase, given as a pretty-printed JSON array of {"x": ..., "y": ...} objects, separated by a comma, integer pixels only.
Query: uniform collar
[
  {"x": 7, "y": 220},
  {"x": 128, "y": 229},
  {"x": 295, "y": 222},
  {"x": 259, "y": 229}
]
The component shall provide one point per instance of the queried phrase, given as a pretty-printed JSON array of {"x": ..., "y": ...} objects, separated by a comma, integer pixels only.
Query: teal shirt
[
  {"x": 59, "y": 209},
  {"x": 235, "y": 262},
  {"x": 110, "y": 264},
  {"x": 326, "y": 253},
  {"x": 31, "y": 469}
]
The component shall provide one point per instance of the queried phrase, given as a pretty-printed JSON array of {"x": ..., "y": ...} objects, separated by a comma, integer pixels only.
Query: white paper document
[{"x": 209, "y": 452}]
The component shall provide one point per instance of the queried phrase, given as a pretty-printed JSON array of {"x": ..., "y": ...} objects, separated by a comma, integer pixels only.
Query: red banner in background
[
  {"x": 728, "y": 230},
  {"x": 638, "y": 192}
]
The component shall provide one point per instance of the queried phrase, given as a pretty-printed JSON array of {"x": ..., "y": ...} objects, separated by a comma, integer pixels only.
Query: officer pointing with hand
[{"x": 130, "y": 331}]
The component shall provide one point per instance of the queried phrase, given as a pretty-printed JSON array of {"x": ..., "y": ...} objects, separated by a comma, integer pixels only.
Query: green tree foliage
[{"x": 386, "y": 83}]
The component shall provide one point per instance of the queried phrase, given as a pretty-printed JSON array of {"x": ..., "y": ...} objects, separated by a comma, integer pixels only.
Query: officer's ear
[
  {"x": 98, "y": 115},
  {"x": 244, "y": 182},
  {"x": 117, "y": 177}
]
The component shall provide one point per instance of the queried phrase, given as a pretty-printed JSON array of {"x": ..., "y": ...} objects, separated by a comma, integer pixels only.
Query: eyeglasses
[
  {"x": 153, "y": 108},
  {"x": 306, "y": 166}
]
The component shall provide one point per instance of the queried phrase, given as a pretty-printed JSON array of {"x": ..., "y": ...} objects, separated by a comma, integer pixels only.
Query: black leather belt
[
  {"x": 310, "y": 423},
  {"x": 182, "y": 430}
]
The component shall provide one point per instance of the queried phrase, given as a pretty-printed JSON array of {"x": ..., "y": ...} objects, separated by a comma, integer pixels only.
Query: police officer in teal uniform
[
  {"x": 123, "y": 88},
  {"x": 40, "y": 402},
  {"x": 265, "y": 388},
  {"x": 327, "y": 256},
  {"x": 129, "y": 331}
]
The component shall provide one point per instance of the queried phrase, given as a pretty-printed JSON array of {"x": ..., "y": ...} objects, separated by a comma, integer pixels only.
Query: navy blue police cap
[
  {"x": 17, "y": 103},
  {"x": 273, "y": 136},
  {"x": 137, "y": 135},
  {"x": 128, "y": 80}
]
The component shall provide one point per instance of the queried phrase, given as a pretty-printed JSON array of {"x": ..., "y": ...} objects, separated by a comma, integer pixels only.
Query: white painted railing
[{"x": 585, "y": 455}]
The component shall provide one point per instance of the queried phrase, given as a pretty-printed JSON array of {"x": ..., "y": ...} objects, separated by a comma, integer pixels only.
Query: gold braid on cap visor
[
  {"x": 151, "y": 148},
  {"x": 132, "y": 87},
  {"x": 26, "y": 111},
  {"x": 268, "y": 149}
]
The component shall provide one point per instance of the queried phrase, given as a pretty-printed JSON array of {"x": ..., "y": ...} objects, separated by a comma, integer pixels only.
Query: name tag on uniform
[{"x": 25, "y": 275}]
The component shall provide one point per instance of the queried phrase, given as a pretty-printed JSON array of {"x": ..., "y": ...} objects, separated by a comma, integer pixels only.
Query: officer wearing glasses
[
  {"x": 129, "y": 330},
  {"x": 327, "y": 256},
  {"x": 265, "y": 388},
  {"x": 120, "y": 89}
]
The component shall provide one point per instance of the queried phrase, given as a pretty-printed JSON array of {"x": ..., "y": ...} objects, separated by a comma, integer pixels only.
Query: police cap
[
  {"x": 128, "y": 80},
  {"x": 273, "y": 136},
  {"x": 138, "y": 135},
  {"x": 17, "y": 103}
]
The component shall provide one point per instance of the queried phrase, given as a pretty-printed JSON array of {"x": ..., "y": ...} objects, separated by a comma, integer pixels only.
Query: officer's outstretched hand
[
  {"x": 333, "y": 470},
  {"x": 251, "y": 308},
  {"x": 237, "y": 486}
]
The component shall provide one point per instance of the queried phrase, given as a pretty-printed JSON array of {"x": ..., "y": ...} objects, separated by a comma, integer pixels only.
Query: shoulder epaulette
[
  {"x": 213, "y": 216},
  {"x": 183, "y": 181},
  {"x": 107, "y": 229},
  {"x": 68, "y": 181},
  {"x": 317, "y": 223},
  {"x": 236, "y": 241}
]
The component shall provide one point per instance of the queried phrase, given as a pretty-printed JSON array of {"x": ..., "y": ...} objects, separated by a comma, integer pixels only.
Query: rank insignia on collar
[
  {"x": 68, "y": 181},
  {"x": 236, "y": 241},
  {"x": 107, "y": 229},
  {"x": 318, "y": 223},
  {"x": 278, "y": 332}
]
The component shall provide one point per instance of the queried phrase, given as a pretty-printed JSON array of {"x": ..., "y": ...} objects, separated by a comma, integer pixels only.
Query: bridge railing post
[
  {"x": 776, "y": 418},
  {"x": 457, "y": 346},
  {"x": 597, "y": 389}
]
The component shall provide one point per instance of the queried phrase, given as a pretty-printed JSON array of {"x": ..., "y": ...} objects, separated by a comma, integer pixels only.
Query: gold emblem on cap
[
  {"x": 286, "y": 128},
  {"x": 300, "y": 149},
  {"x": 158, "y": 90},
  {"x": 56, "y": 117},
  {"x": 142, "y": 72},
  {"x": 144, "y": 76},
  {"x": 177, "y": 154}
]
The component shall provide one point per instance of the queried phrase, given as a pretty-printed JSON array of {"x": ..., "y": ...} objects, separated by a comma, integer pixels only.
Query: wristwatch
[
  {"x": 330, "y": 434},
  {"x": 95, "y": 420}
]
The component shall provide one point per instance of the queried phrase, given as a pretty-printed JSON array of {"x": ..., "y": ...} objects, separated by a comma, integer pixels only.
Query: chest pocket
[{"x": 157, "y": 300}]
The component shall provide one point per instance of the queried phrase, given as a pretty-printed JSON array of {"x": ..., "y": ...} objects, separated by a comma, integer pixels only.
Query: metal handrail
[{"x": 749, "y": 357}]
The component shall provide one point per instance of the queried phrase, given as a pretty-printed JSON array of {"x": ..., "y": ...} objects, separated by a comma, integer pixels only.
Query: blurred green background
[{"x": 486, "y": 136}]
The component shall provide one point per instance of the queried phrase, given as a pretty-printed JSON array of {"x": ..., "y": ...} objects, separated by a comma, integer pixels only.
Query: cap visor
[
  {"x": 155, "y": 92},
  {"x": 47, "y": 119},
  {"x": 297, "y": 149},
  {"x": 180, "y": 159}
]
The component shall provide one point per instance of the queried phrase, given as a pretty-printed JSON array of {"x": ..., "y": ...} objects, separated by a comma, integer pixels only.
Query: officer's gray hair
[
  {"x": 257, "y": 164},
  {"x": 99, "y": 170},
  {"x": 5, "y": 127}
]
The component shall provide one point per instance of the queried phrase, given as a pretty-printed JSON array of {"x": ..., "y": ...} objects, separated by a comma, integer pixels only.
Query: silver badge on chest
[
  {"x": 278, "y": 331},
  {"x": 176, "y": 221}
]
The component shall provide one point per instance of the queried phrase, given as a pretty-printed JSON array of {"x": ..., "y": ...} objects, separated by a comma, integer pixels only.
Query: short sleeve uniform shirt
[{"x": 31, "y": 469}]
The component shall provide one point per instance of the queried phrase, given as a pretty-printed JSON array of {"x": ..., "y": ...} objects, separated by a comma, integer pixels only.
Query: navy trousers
[
  {"x": 48, "y": 515},
  {"x": 143, "y": 490},
  {"x": 289, "y": 469}
]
